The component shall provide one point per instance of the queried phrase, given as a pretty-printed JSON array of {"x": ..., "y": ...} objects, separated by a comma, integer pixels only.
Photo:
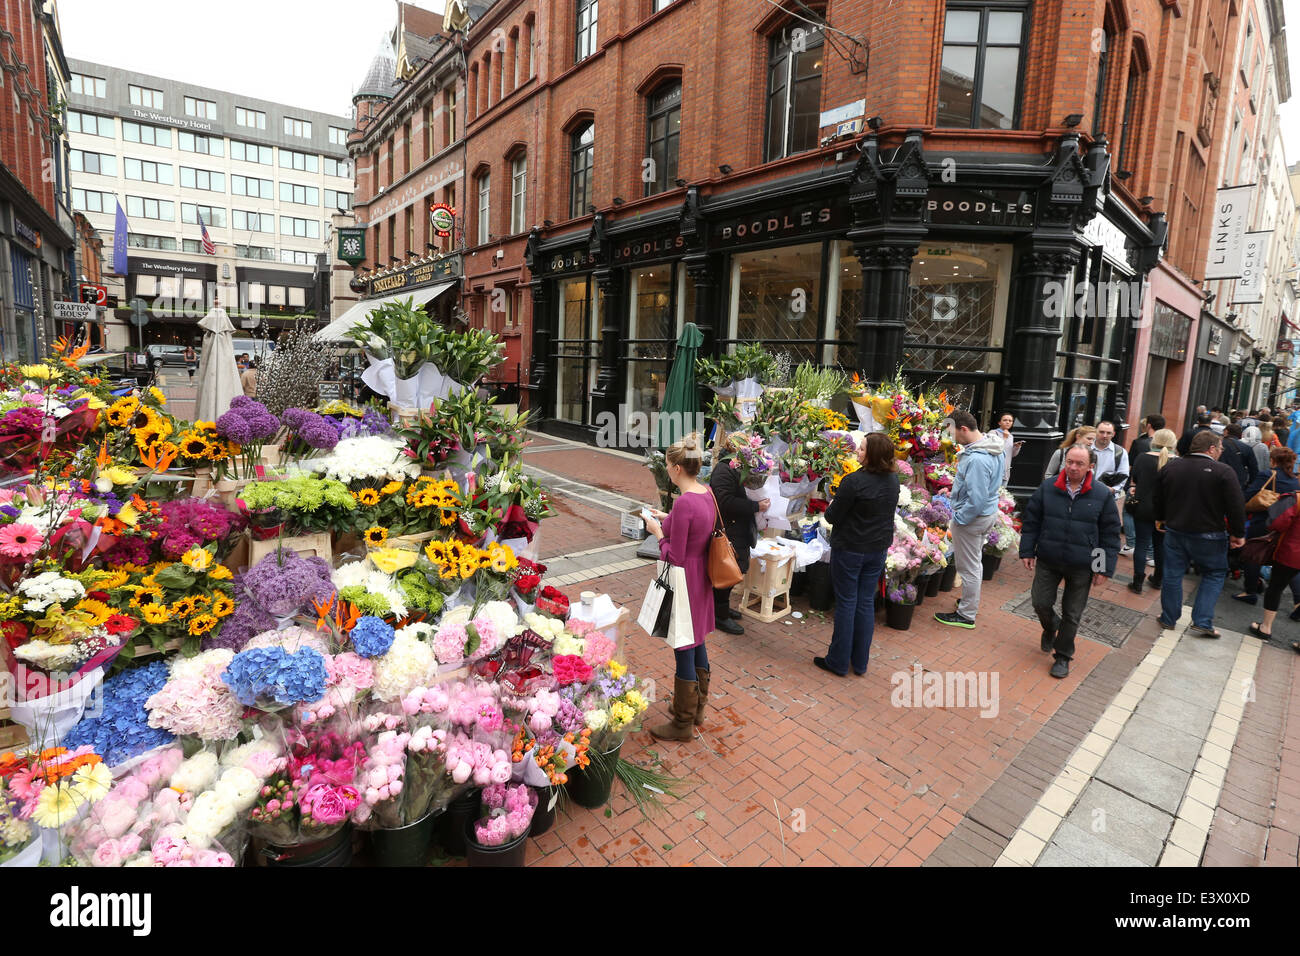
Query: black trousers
[
  {"x": 722, "y": 596},
  {"x": 1047, "y": 580},
  {"x": 1278, "y": 579}
]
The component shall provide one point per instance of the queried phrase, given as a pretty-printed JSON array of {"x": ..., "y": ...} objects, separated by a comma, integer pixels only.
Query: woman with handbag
[
  {"x": 1141, "y": 505},
  {"x": 1286, "y": 564},
  {"x": 684, "y": 539},
  {"x": 862, "y": 529},
  {"x": 1262, "y": 494}
]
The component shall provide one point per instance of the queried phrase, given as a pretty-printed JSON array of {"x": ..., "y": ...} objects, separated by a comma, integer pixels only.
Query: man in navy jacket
[{"x": 1070, "y": 533}]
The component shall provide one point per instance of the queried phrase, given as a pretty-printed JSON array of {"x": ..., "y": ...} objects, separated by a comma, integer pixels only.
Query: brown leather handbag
[
  {"x": 724, "y": 570},
  {"x": 1265, "y": 498}
]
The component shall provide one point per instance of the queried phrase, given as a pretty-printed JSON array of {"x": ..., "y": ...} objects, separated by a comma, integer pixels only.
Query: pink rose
[{"x": 108, "y": 853}]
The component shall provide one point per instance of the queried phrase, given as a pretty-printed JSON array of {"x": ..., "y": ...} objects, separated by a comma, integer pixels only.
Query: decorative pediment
[
  {"x": 1069, "y": 176},
  {"x": 911, "y": 175}
]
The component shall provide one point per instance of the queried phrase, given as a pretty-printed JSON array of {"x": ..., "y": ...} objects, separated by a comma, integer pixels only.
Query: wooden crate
[
  {"x": 307, "y": 545},
  {"x": 766, "y": 593}
]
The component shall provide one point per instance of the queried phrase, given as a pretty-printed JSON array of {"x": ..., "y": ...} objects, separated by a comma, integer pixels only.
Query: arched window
[
  {"x": 582, "y": 147},
  {"x": 663, "y": 135}
]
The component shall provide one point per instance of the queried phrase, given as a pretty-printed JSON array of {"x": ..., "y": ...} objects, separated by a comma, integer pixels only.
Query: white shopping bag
[{"x": 668, "y": 585}]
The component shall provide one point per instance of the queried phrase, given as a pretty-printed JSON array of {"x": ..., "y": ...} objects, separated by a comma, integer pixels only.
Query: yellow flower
[
  {"x": 617, "y": 670},
  {"x": 120, "y": 412},
  {"x": 119, "y": 475},
  {"x": 97, "y": 611},
  {"x": 375, "y": 536},
  {"x": 392, "y": 488},
  {"x": 436, "y": 551},
  {"x": 155, "y": 613},
  {"x": 636, "y": 700},
  {"x": 220, "y": 572},
  {"x": 157, "y": 394},
  {"x": 197, "y": 558},
  {"x": 620, "y": 714},
  {"x": 194, "y": 445},
  {"x": 108, "y": 580},
  {"x": 467, "y": 567},
  {"x": 57, "y": 805},
  {"x": 151, "y": 591},
  {"x": 222, "y": 605},
  {"x": 202, "y": 624},
  {"x": 92, "y": 781},
  {"x": 366, "y": 496},
  {"x": 446, "y": 517},
  {"x": 93, "y": 402},
  {"x": 38, "y": 372},
  {"x": 184, "y": 607}
]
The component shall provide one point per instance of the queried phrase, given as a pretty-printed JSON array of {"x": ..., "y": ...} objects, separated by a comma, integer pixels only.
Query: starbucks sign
[{"x": 443, "y": 219}]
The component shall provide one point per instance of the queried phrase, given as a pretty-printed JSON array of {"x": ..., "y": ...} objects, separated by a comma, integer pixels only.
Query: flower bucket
[
  {"x": 934, "y": 581},
  {"x": 948, "y": 580},
  {"x": 590, "y": 786},
  {"x": 334, "y": 851},
  {"x": 548, "y": 799},
  {"x": 991, "y": 564},
  {"x": 510, "y": 853},
  {"x": 29, "y": 855},
  {"x": 266, "y": 523},
  {"x": 451, "y": 825},
  {"x": 899, "y": 616},
  {"x": 920, "y": 592},
  {"x": 405, "y": 846},
  {"x": 48, "y": 719}
]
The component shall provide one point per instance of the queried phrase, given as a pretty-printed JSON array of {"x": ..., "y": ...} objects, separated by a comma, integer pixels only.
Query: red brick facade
[{"x": 25, "y": 120}]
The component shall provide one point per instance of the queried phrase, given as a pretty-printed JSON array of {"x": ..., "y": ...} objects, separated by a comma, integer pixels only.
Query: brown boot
[
  {"x": 703, "y": 681},
  {"x": 681, "y": 712}
]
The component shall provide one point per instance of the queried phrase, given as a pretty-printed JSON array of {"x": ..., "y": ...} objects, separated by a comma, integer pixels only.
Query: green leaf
[{"x": 699, "y": 814}]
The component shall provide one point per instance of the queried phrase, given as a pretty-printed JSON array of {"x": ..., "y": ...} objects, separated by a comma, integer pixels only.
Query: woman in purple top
[{"x": 684, "y": 541}]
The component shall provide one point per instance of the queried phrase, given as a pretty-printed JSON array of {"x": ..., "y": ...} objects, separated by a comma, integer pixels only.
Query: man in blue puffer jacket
[
  {"x": 974, "y": 508},
  {"x": 1070, "y": 530}
]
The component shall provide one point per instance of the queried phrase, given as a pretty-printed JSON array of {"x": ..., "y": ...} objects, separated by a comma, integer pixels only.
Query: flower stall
[{"x": 200, "y": 687}]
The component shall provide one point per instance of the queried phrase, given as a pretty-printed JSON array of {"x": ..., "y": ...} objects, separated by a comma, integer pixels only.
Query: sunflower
[
  {"x": 202, "y": 624},
  {"x": 184, "y": 607},
  {"x": 222, "y": 605},
  {"x": 468, "y": 566},
  {"x": 120, "y": 412},
  {"x": 503, "y": 562},
  {"x": 97, "y": 611},
  {"x": 366, "y": 496},
  {"x": 153, "y": 593},
  {"x": 194, "y": 445},
  {"x": 202, "y": 602},
  {"x": 220, "y": 572},
  {"x": 108, "y": 580},
  {"x": 157, "y": 395},
  {"x": 199, "y": 559},
  {"x": 219, "y": 450},
  {"x": 168, "y": 449},
  {"x": 446, "y": 517},
  {"x": 392, "y": 488},
  {"x": 155, "y": 613},
  {"x": 375, "y": 536},
  {"x": 145, "y": 437}
]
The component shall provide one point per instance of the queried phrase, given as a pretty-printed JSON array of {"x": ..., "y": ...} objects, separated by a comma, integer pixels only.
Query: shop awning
[{"x": 337, "y": 331}]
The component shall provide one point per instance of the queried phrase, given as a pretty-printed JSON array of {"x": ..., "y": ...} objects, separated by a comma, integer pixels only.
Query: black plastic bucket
[
  {"x": 821, "y": 596},
  {"x": 510, "y": 853},
  {"x": 590, "y": 786},
  {"x": 404, "y": 846},
  {"x": 451, "y": 825},
  {"x": 333, "y": 851},
  {"x": 548, "y": 800}
]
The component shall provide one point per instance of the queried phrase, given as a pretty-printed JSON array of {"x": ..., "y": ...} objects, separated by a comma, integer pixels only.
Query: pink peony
[
  {"x": 328, "y": 805},
  {"x": 350, "y": 669}
]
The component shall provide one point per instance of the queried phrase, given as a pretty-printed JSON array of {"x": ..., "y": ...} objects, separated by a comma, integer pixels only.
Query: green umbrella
[{"x": 681, "y": 408}]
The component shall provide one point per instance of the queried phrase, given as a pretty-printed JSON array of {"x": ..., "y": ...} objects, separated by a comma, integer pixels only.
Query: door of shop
[{"x": 577, "y": 349}]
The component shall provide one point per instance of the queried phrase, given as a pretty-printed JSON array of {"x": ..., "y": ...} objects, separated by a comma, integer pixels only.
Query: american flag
[{"x": 208, "y": 246}]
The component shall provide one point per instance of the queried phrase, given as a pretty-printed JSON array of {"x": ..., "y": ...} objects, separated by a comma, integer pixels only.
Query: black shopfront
[{"x": 876, "y": 263}]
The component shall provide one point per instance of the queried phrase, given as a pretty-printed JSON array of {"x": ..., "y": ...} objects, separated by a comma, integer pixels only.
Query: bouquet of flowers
[
  {"x": 382, "y": 780},
  {"x": 528, "y": 578},
  {"x": 195, "y": 522},
  {"x": 189, "y": 600},
  {"x": 195, "y": 701},
  {"x": 507, "y": 814},
  {"x": 55, "y": 784},
  {"x": 307, "y": 433},
  {"x": 428, "y": 785},
  {"x": 1003, "y": 536},
  {"x": 309, "y": 504},
  {"x": 120, "y": 730},
  {"x": 611, "y": 706},
  {"x": 370, "y": 590},
  {"x": 903, "y": 564},
  {"x": 248, "y": 425},
  {"x": 16, "y": 834},
  {"x": 751, "y": 460},
  {"x": 51, "y": 624}
]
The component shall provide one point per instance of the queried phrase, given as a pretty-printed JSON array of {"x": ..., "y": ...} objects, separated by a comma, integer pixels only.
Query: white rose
[
  {"x": 196, "y": 773},
  {"x": 596, "y": 719},
  {"x": 239, "y": 787}
]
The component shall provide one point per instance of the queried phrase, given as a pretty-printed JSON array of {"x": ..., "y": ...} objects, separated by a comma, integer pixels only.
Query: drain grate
[{"x": 1103, "y": 622}]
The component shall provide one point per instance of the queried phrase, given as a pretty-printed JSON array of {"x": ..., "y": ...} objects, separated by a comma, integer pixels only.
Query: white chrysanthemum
[
  {"x": 49, "y": 657},
  {"x": 349, "y": 575},
  {"x": 596, "y": 719},
  {"x": 368, "y": 457},
  {"x": 408, "y": 664}
]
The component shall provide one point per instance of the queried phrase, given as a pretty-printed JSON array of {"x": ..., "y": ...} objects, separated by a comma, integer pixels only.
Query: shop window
[
  {"x": 582, "y": 149},
  {"x": 585, "y": 46},
  {"x": 957, "y": 308},
  {"x": 663, "y": 136},
  {"x": 657, "y": 305},
  {"x": 980, "y": 75},
  {"x": 794, "y": 92},
  {"x": 777, "y": 299}
]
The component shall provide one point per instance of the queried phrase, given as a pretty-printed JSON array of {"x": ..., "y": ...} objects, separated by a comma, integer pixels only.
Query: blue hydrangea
[
  {"x": 271, "y": 675},
  {"x": 116, "y": 723},
  {"x": 371, "y": 636}
]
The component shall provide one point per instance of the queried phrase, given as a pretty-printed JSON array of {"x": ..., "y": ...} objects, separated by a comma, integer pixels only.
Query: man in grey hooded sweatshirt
[{"x": 974, "y": 508}]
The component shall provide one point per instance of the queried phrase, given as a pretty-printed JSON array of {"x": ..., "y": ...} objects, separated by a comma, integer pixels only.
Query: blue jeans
[
  {"x": 1130, "y": 532},
  {"x": 1209, "y": 552},
  {"x": 1147, "y": 539},
  {"x": 854, "y": 577},
  {"x": 690, "y": 658}
]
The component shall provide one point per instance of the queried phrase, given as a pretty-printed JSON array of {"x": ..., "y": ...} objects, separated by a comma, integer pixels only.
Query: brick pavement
[{"x": 796, "y": 766}]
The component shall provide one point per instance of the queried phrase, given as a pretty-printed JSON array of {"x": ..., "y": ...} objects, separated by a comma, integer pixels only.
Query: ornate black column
[
  {"x": 1034, "y": 330},
  {"x": 702, "y": 270},
  {"x": 540, "y": 377},
  {"x": 607, "y": 393},
  {"x": 868, "y": 328}
]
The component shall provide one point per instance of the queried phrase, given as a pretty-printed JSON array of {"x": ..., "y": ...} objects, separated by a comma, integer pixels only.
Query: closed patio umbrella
[
  {"x": 681, "y": 408},
  {"x": 218, "y": 373}
]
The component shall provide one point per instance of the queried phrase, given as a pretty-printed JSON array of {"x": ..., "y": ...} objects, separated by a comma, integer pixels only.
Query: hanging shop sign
[
  {"x": 443, "y": 219},
  {"x": 440, "y": 270},
  {"x": 1228, "y": 232},
  {"x": 1100, "y": 231},
  {"x": 791, "y": 221},
  {"x": 1249, "y": 287},
  {"x": 352, "y": 245},
  {"x": 1170, "y": 333},
  {"x": 1267, "y": 369},
  {"x": 950, "y": 206}
]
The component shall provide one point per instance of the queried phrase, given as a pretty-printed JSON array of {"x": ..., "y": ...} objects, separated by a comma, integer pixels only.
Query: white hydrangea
[
  {"x": 904, "y": 496},
  {"x": 205, "y": 663},
  {"x": 408, "y": 664},
  {"x": 548, "y": 628}
]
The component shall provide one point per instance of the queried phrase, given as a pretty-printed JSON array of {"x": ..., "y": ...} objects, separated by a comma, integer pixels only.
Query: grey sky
[
  {"x": 309, "y": 53},
  {"x": 312, "y": 53}
]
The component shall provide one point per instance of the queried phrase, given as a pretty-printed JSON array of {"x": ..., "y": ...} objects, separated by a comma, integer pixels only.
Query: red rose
[{"x": 15, "y": 632}]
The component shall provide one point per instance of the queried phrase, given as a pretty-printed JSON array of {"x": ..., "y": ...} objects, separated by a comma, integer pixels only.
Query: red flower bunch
[
  {"x": 553, "y": 601},
  {"x": 570, "y": 669},
  {"x": 15, "y": 632},
  {"x": 528, "y": 576},
  {"x": 817, "y": 505}
]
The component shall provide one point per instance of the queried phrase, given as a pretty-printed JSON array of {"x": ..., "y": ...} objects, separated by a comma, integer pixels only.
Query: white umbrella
[{"x": 218, "y": 373}]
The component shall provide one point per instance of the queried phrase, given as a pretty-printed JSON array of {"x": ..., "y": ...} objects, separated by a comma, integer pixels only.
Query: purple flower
[
  {"x": 282, "y": 583},
  {"x": 247, "y": 422}
]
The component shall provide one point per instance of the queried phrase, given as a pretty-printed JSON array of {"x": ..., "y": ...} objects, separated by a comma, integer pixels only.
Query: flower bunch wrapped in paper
[
  {"x": 741, "y": 374},
  {"x": 1004, "y": 536},
  {"x": 16, "y": 834},
  {"x": 121, "y": 825},
  {"x": 54, "y": 625},
  {"x": 56, "y": 786},
  {"x": 507, "y": 813},
  {"x": 751, "y": 460},
  {"x": 383, "y": 775},
  {"x": 552, "y": 738},
  {"x": 903, "y": 560},
  {"x": 429, "y": 785},
  {"x": 612, "y": 705}
]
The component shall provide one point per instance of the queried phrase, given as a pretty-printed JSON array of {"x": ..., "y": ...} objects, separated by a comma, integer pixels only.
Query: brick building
[
  {"x": 36, "y": 228},
  {"x": 408, "y": 151}
]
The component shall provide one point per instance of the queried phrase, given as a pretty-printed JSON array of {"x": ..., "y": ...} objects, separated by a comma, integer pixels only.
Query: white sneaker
[
  {"x": 1151, "y": 562},
  {"x": 1126, "y": 550}
]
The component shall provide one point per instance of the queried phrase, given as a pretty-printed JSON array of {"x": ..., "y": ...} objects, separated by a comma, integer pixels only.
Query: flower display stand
[
  {"x": 308, "y": 545},
  {"x": 766, "y": 594}
]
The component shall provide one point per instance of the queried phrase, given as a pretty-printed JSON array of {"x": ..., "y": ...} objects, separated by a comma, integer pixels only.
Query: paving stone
[
  {"x": 1129, "y": 825},
  {"x": 1175, "y": 713},
  {"x": 1157, "y": 740},
  {"x": 1089, "y": 849},
  {"x": 1150, "y": 781}
]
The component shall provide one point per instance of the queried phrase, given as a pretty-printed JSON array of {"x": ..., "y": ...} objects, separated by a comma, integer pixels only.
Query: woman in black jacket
[
  {"x": 738, "y": 513},
  {"x": 1143, "y": 474},
  {"x": 862, "y": 529}
]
